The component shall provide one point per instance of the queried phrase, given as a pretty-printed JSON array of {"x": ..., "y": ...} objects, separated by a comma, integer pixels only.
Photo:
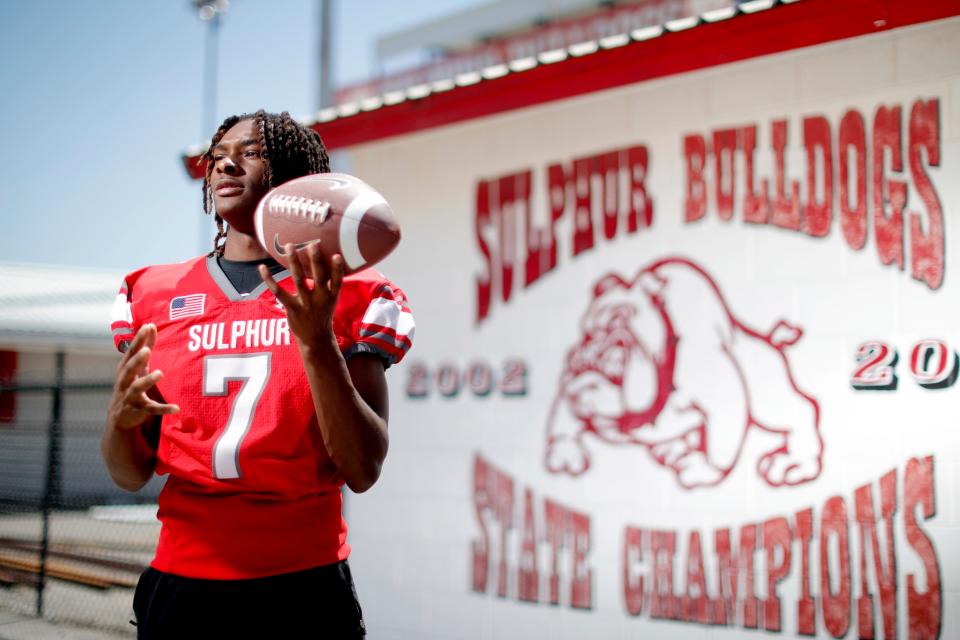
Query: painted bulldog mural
[{"x": 666, "y": 365}]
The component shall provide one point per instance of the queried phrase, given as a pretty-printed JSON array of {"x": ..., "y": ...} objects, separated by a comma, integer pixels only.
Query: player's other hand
[
  {"x": 310, "y": 309},
  {"x": 135, "y": 396}
]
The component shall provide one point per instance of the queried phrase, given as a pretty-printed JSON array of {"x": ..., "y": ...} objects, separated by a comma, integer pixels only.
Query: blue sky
[{"x": 101, "y": 96}]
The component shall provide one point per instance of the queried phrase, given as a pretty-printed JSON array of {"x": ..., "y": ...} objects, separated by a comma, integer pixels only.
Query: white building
[{"x": 46, "y": 310}]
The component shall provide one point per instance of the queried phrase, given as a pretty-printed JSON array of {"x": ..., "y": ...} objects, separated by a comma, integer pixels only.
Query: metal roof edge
[
  {"x": 192, "y": 155},
  {"x": 413, "y": 100}
]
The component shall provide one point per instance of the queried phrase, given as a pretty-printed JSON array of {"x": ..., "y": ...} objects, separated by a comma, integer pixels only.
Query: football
[{"x": 342, "y": 213}]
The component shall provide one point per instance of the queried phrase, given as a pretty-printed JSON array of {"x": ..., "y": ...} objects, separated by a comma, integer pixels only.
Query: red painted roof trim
[{"x": 782, "y": 28}]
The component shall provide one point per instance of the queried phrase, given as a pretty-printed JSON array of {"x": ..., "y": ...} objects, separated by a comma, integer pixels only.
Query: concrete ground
[
  {"x": 14, "y": 626},
  {"x": 71, "y": 610}
]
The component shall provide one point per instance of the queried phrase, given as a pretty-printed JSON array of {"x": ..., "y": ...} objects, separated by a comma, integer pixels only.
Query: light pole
[
  {"x": 209, "y": 11},
  {"x": 324, "y": 84}
]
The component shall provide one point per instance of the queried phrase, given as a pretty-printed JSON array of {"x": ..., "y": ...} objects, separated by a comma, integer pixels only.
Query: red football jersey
[{"x": 251, "y": 489}]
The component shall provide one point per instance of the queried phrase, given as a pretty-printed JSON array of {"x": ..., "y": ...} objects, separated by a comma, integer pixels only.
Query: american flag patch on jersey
[{"x": 185, "y": 306}]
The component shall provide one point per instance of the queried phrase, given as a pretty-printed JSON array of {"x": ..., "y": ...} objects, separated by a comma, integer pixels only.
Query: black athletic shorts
[{"x": 316, "y": 603}]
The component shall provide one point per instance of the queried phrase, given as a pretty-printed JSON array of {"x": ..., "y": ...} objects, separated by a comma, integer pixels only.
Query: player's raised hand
[
  {"x": 131, "y": 404},
  {"x": 310, "y": 309}
]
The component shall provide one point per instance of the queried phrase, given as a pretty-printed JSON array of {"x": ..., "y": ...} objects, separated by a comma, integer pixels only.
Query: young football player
[{"x": 258, "y": 392}]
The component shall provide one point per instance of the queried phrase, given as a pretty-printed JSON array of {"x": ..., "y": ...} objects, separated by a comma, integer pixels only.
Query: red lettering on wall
[
  {"x": 853, "y": 217},
  {"x": 606, "y": 190},
  {"x": 503, "y": 510},
  {"x": 695, "y": 202},
  {"x": 641, "y": 204},
  {"x": 756, "y": 207},
  {"x": 728, "y": 579},
  {"x": 751, "y": 604},
  {"x": 786, "y": 208},
  {"x": 806, "y": 607},
  {"x": 507, "y": 225},
  {"x": 554, "y": 516},
  {"x": 888, "y": 227},
  {"x": 812, "y": 209},
  {"x": 663, "y": 604},
  {"x": 565, "y": 532},
  {"x": 724, "y": 148},
  {"x": 884, "y": 564},
  {"x": 926, "y": 249},
  {"x": 694, "y": 603},
  {"x": 924, "y": 608},
  {"x": 731, "y": 567},
  {"x": 528, "y": 578},
  {"x": 648, "y": 565},
  {"x": 482, "y": 504},
  {"x": 776, "y": 542},
  {"x": 481, "y": 224},
  {"x": 540, "y": 244},
  {"x": 818, "y": 214},
  {"x": 583, "y": 234},
  {"x": 492, "y": 497},
  {"x": 581, "y": 581},
  {"x": 633, "y": 584},
  {"x": 834, "y": 528},
  {"x": 608, "y": 169},
  {"x": 569, "y": 529}
]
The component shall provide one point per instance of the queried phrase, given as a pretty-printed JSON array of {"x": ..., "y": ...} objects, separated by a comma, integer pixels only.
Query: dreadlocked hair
[{"x": 290, "y": 150}]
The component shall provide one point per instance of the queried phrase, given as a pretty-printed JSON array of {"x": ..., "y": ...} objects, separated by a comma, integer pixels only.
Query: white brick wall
[{"x": 412, "y": 533}]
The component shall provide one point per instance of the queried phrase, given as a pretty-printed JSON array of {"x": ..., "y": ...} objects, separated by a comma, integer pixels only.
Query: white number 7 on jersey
[{"x": 254, "y": 371}]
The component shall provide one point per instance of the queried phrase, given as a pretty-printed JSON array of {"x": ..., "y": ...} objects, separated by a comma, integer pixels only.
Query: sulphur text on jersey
[{"x": 239, "y": 334}]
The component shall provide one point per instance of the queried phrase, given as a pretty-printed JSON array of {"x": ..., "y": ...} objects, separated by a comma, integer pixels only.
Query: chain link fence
[{"x": 72, "y": 544}]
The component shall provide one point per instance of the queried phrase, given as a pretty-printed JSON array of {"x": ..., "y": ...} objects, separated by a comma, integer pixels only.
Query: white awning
[{"x": 52, "y": 305}]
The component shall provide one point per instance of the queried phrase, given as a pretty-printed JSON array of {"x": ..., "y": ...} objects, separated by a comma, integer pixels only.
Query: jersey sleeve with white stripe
[
  {"x": 122, "y": 324},
  {"x": 373, "y": 316}
]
